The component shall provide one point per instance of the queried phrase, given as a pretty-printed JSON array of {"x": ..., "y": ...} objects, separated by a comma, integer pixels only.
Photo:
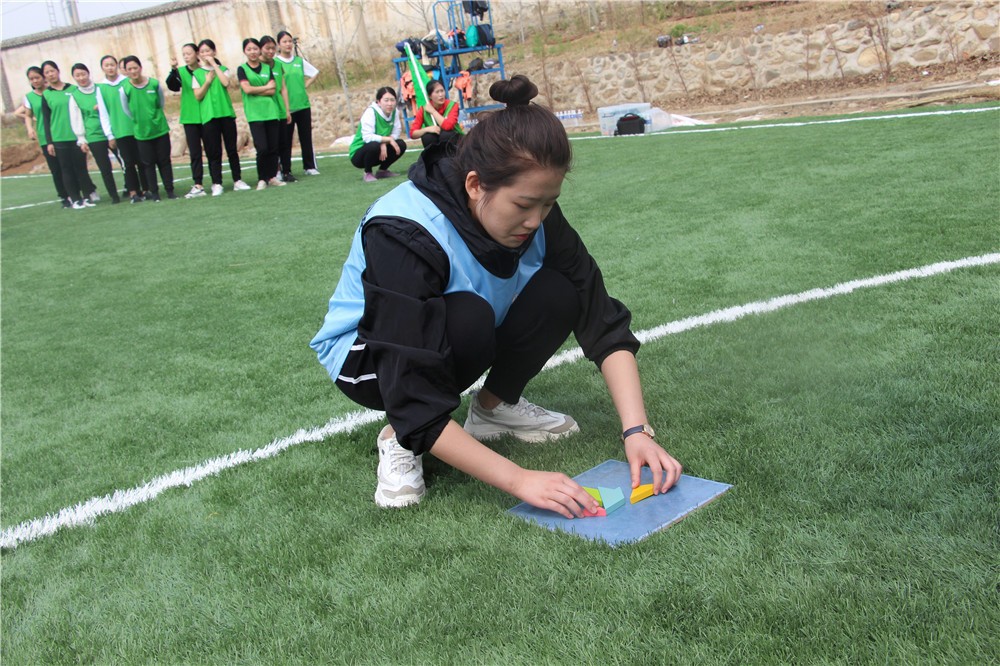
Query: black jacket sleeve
[
  {"x": 174, "y": 80},
  {"x": 604, "y": 322},
  {"x": 47, "y": 121},
  {"x": 403, "y": 326}
]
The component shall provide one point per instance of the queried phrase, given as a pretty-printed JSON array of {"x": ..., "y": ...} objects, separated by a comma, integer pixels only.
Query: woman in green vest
[
  {"x": 31, "y": 112},
  {"x": 62, "y": 141},
  {"x": 377, "y": 140},
  {"x": 218, "y": 119},
  {"x": 299, "y": 75},
  {"x": 436, "y": 121},
  {"x": 92, "y": 126},
  {"x": 179, "y": 80},
  {"x": 262, "y": 111},
  {"x": 142, "y": 98},
  {"x": 122, "y": 127},
  {"x": 268, "y": 48}
]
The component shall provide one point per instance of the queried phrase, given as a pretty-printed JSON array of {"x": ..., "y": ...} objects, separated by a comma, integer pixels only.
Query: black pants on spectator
[
  {"x": 192, "y": 132},
  {"x": 367, "y": 156},
  {"x": 56, "y": 172},
  {"x": 153, "y": 154},
  {"x": 73, "y": 165},
  {"x": 99, "y": 149},
  {"x": 444, "y": 136},
  {"x": 135, "y": 176},
  {"x": 538, "y": 322},
  {"x": 265, "y": 135},
  {"x": 303, "y": 120},
  {"x": 216, "y": 133},
  {"x": 285, "y": 146}
]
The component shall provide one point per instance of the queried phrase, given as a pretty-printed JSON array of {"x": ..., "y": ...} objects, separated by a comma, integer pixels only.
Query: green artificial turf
[{"x": 860, "y": 432}]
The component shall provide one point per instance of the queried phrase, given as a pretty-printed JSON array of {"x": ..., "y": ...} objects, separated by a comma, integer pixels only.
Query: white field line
[
  {"x": 86, "y": 512},
  {"x": 921, "y": 114}
]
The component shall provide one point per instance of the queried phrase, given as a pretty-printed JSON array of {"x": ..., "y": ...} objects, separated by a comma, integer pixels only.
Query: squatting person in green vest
[
  {"x": 31, "y": 112},
  {"x": 437, "y": 120},
  {"x": 61, "y": 141},
  {"x": 377, "y": 141},
  {"x": 299, "y": 75},
  {"x": 261, "y": 108},
  {"x": 92, "y": 126},
  {"x": 123, "y": 128},
  {"x": 142, "y": 99},
  {"x": 218, "y": 118},
  {"x": 179, "y": 80},
  {"x": 268, "y": 48}
]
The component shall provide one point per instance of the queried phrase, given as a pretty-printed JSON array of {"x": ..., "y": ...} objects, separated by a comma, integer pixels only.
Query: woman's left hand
[
  {"x": 395, "y": 146},
  {"x": 381, "y": 152},
  {"x": 641, "y": 450}
]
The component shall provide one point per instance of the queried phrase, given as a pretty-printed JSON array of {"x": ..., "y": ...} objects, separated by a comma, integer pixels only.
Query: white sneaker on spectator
[
  {"x": 274, "y": 182},
  {"x": 261, "y": 185},
  {"x": 400, "y": 473},
  {"x": 94, "y": 196},
  {"x": 217, "y": 190},
  {"x": 196, "y": 191},
  {"x": 527, "y": 422},
  {"x": 240, "y": 185},
  {"x": 311, "y": 172}
]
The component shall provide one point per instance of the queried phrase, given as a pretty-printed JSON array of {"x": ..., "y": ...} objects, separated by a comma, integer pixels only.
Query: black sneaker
[
  {"x": 116, "y": 199},
  {"x": 67, "y": 203},
  {"x": 136, "y": 198},
  {"x": 153, "y": 196},
  {"x": 171, "y": 195},
  {"x": 288, "y": 177}
]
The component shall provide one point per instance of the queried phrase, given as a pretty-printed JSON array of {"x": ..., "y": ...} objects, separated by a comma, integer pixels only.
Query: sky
[{"x": 19, "y": 18}]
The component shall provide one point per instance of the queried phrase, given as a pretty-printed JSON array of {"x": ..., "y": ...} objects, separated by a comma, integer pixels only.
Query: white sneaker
[
  {"x": 216, "y": 190},
  {"x": 261, "y": 185},
  {"x": 274, "y": 182},
  {"x": 280, "y": 176},
  {"x": 196, "y": 191},
  {"x": 240, "y": 185},
  {"x": 311, "y": 172},
  {"x": 94, "y": 196},
  {"x": 527, "y": 422},
  {"x": 87, "y": 203},
  {"x": 400, "y": 473},
  {"x": 78, "y": 205}
]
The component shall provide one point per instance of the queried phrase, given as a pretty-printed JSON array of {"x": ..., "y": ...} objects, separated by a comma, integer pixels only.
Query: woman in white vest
[
  {"x": 299, "y": 75},
  {"x": 468, "y": 267},
  {"x": 376, "y": 141}
]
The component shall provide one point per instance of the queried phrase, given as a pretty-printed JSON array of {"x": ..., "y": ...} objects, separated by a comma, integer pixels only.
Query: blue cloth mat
[{"x": 632, "y": 522}]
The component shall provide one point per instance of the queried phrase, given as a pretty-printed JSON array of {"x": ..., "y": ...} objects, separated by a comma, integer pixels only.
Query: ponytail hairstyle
[
  {"x": 193, "y": 46},
  {"x": 209, "y": 43},
  {"x": 130, "y": 58},
  {"x": 383, "y": 91},
  {"x": 508, "y": 142},
  {"x": 250, "y": 40},
  {"x": 49, "y": 63},
  {"x": 283, "y": 33},
  {"x": 267, "y": 39},
  {"x": 79, "y": 65},
  {"x": 109, "y": 56},
  {"x": 33, "y": 68}
]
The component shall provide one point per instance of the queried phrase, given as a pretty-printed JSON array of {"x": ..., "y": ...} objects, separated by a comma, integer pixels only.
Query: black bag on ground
[
  {"x": 630, "y": 123},
  {"x": 476, "y": 65}
]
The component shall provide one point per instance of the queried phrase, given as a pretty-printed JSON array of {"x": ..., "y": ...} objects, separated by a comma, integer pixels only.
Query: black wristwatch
[{"x": 637, "y": 429}]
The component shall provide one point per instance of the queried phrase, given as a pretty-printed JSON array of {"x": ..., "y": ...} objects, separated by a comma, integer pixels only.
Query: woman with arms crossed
[
  {"x": 268, "y": 47},
  {"x": 377, "y": 140},
  {"x": 469, "y": 266}
]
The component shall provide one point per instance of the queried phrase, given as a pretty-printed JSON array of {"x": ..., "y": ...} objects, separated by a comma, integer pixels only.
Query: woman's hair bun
[{"x": 518, "y": 90}]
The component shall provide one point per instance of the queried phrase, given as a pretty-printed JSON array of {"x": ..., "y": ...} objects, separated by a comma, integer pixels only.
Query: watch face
[{"x": 649, "y": 431}]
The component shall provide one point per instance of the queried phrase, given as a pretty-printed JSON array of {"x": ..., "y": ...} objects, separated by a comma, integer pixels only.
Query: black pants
[
  {"x": 303, "y": 120},
  {"x": 135, "y": 177},
  {"x": 444, "y": 136},
  {"x": 265, "y": 135},
  {"x": 56, "y": 172},
  {"x": 285, "y": 146},
  {"x": 73, "y": 165},
  {"x": 153, "y": 154},
  {"x": 536, "y": 325},
  {"x": 99, "y": 149},
  {"x": 366, "y": 156},
  {"x": 216, "y": 133},
  {"x": 192, "y": 132}
]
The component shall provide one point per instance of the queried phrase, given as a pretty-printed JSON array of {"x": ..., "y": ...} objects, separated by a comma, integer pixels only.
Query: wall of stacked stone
[{"x": 914, "y": 37}]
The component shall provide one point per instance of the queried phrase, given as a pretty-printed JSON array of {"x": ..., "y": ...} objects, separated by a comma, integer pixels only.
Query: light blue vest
[{"x": 466, "y": 274}]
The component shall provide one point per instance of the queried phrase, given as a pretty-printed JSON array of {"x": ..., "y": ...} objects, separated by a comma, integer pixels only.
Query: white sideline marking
[{"x": 86, "y": 512}]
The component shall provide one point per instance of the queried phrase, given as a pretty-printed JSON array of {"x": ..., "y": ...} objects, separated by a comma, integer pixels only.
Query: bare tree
[{"x": 836, "y": 53}]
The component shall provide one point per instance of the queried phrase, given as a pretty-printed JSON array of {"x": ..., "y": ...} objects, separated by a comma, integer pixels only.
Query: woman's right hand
[
  {"x": 51, "y": 150},
  {"x": 553, "y": 491},
  {"x": 173, "y": 62},
  {"x": 433, "y": 129},
  {"x": 381, "y": 153},
  {"x": 32, "y": 134}
]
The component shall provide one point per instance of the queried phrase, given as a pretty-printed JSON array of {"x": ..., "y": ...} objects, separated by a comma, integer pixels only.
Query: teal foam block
[
  {"x": 612, "y": 498},
  {"x": 633, "y": 522}
]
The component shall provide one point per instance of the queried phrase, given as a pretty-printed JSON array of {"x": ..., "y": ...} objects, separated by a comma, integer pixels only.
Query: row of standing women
[{"x": 125, "y": 114}]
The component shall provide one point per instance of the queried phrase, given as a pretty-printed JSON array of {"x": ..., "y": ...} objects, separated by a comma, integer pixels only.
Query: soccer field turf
[{"x": 858, "y": 428}]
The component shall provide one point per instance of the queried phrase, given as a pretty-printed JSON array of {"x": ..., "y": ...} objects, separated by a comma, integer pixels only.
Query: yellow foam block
[
  {"x": 641, "y": 493},
  {"x": 595, "y": 493}
]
